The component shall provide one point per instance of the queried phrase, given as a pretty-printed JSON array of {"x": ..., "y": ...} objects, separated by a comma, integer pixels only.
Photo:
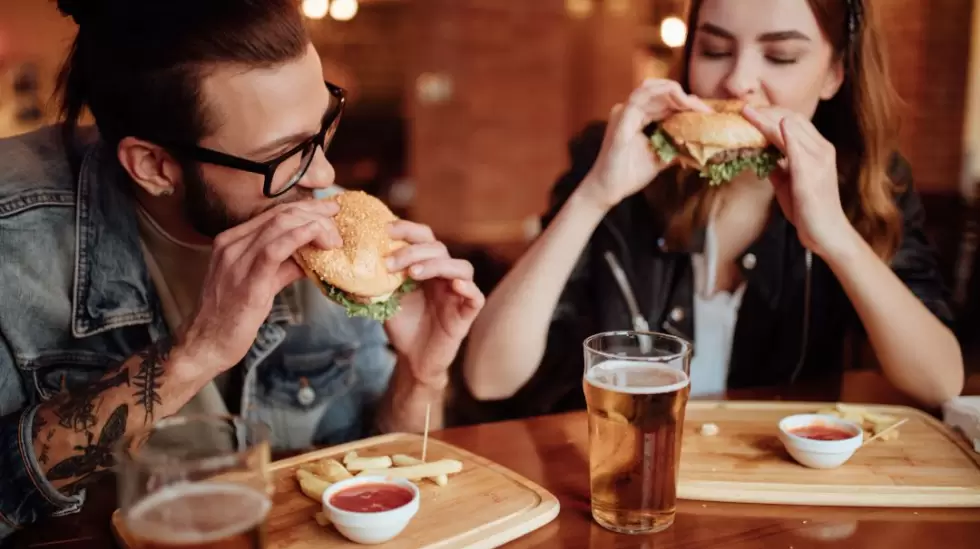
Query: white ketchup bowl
[
  {"x": 371, "y": 527},
  {"x": 820, "y": 454}
]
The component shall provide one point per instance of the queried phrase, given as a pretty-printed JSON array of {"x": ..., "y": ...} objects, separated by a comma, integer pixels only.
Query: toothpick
[
  {"x": 883, "y": 431},
  {"x": 425, "y": 434}
]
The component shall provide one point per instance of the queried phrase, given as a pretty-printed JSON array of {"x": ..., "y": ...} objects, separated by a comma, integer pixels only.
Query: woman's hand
[
  {"x": 626, "y": 162},
  {"x": 806, "y": 185}
]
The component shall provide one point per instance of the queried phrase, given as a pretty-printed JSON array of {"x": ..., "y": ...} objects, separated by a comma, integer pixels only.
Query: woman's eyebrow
[{"x": 777, "y": 36}]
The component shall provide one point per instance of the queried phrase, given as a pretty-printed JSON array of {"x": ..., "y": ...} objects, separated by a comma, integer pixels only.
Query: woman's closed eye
[
  {"x": 783, "y": 55},
  {"x": 714, "y": 53},
  {"x": 782, "y": 59}
]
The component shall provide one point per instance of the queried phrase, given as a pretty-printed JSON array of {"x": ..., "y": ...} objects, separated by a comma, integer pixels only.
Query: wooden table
[{"x": 550, "y": 451}]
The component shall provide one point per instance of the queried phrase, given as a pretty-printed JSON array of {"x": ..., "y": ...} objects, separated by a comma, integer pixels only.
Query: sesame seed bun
[{"x": 358, "y": 267}]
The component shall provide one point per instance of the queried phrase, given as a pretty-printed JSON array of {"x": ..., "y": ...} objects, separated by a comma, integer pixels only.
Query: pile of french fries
[
  {"x": 871, "y": 422},
  {"x": 316, "y": 476}
]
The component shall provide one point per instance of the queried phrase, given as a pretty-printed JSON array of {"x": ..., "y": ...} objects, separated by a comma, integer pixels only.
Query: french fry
[
  {"x": 401, "y": 460},
  {"x": 872, "y": 423},
  {"x": 321, "y": 519},
  {"x": 416, "y": 472},
  {"x": 334, "y": 471},
  {"x": 311, "y": 485},
  {"x": 880, "y": 418},
  {"x": 302, "y": 473},
  {"x": 877, "y": 427},
  {"x": 844, "y": 408},
  {"x": 362, "y": 464},
  {"x": 349, "y": 457},
  {"x": 311, "y": 467}
]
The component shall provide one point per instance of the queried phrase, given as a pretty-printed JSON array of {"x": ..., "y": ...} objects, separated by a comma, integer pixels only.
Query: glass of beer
[
  {"x": 636, "y": 389},
  {"x": 196, "y": 482}
]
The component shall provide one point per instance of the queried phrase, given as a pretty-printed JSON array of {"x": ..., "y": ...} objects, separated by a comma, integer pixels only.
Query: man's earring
[{"x": 166, "y": 192}]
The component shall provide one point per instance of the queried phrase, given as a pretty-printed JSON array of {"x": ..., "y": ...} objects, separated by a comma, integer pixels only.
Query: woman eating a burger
[{"x": 768, "y": 264}]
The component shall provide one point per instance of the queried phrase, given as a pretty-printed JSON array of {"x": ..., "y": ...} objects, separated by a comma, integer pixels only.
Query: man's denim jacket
[{"x": 76, "y": 299}]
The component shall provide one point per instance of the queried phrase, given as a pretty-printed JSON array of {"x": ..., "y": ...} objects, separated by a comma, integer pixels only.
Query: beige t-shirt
[{"x": 178, "y": 269}]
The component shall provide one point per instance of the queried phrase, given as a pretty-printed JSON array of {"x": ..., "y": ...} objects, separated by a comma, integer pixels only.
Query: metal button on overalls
[{"x": 306, "y": 395}]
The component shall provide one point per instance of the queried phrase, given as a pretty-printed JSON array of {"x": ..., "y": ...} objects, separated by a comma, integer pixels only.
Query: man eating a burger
[{"x": 153, "y": 266}]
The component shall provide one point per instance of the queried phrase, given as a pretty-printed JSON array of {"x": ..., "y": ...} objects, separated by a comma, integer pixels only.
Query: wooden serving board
[
  {"x": 928, "y": 465},
  {"x": 484, "y": 506}
]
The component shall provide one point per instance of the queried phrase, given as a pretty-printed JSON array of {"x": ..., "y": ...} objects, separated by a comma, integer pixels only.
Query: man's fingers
[
  {"x": 446, "y": 268},
  {"x": 267, "y": 260},
  {"x": 327, "y": 208},
  {"x": 288, "y": 273},
  {"x": 413, "y": 233},
  {"x": 404, "y": 258},
  {"x": 327, "y": 238},
  {"x": 469, "y": 291}
]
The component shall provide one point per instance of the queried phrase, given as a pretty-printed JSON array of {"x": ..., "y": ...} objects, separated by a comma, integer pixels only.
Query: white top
[{"x": 715, "y": 314}]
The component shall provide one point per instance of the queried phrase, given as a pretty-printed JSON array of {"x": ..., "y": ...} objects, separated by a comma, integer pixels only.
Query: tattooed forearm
[
  {"x": 77, "y": 409},
  {"x": 149, "y": 377},
  {"x": 75, "y": 431},
  {"x": 94, "y": 456},
  {"x": 45, "y": 447},
  {"x": 39, "y": 423}
]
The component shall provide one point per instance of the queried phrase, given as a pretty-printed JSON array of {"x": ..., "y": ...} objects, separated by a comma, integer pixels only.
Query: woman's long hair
[{"x": 859, "y": 120}]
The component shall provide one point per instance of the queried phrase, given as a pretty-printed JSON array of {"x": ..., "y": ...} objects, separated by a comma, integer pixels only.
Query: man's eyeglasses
[{"x": 286, "y": 170}]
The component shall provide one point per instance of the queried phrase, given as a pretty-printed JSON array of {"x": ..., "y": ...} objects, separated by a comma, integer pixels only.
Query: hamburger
[
  {"x": 720, "y": 144},
  {"x": 354, "y": 275}
]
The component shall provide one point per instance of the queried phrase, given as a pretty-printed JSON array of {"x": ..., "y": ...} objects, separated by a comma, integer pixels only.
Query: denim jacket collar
[{"x": 107, "y": 241}]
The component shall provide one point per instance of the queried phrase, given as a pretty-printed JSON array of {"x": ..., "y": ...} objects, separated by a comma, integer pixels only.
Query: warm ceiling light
[
  {"x": 579, "y": 9},
  {"x": 673, "y": 32},
  {"x": 316, "y": 9},
  {"x": 343, "y": 10}
]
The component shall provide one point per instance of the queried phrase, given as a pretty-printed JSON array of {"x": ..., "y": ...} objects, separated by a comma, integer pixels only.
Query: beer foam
[
  {"x": 198, "y": 512},
  {"x": 625, "y": 376}
]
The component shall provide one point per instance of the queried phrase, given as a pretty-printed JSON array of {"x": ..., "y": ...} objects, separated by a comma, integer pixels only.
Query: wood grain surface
[
  {"x": 484, "y": 506},
  {"x": 926, "y": 466}
]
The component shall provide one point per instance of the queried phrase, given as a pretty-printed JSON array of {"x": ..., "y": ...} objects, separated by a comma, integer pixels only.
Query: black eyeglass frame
[{"x": 328, "y": 128}]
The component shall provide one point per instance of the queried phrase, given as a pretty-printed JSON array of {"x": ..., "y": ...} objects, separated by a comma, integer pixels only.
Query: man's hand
[
  {"x": 432, "y": 322},
  {"x": 251, "y": 263}
]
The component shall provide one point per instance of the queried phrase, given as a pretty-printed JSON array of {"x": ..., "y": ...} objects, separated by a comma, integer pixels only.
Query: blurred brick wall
[
  {"x": 601, "y": 59},
  {"x": 480, "y": 155},
  {"x": 526, "y": 75},
  {"x": 366, "y": 56},
  {"x": 929, "y": 48},
  {"x": 31, "y": 32}
]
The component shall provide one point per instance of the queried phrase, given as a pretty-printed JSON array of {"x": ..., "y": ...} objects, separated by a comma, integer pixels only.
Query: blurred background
[{"x": 461, "y": 110}]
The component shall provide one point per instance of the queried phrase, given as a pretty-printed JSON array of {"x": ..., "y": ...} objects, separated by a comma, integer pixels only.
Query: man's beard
[{"x": 209, "y": 216}]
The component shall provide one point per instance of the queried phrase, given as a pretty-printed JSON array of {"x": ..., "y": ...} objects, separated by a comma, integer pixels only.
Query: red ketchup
[
  {"x": 822, "y": 432},
  {"x": 373, "y": 497}
]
